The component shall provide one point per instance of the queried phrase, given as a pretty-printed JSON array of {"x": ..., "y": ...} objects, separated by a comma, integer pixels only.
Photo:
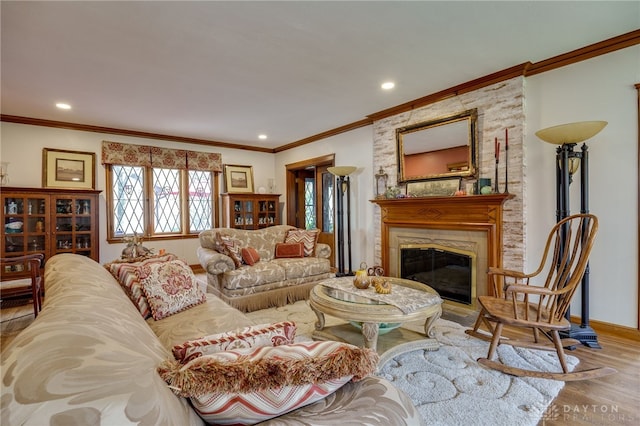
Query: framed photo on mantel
[
  {"x": 433, "y": 188},
  {"x": 238, "y": 179}
]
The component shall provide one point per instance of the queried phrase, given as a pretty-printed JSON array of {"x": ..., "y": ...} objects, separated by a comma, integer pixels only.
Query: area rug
[{"x": 447, "y": 385}]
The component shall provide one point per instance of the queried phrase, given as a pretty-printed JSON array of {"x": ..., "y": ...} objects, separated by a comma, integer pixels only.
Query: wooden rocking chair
[{"x": 519, "y": 303}]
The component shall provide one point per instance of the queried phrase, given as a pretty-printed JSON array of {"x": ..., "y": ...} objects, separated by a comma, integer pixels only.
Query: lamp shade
[
  {"x": 341, "y": 170},
  {"x": 571, "y": 132}
]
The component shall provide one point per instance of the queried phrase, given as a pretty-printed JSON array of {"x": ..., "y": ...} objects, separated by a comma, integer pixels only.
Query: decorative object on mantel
[
  {"x": 343, "y": 187},
  {"x": 437, "y": 188},
  {"x": 567, "y": 163},
  {"x": 506, "y": 160},
  {"x": 496, "y": 189},
  {"x": 134, "y": 248},
  {"x": 392, "y": 192},
  {"x": 381, "y": 183}
]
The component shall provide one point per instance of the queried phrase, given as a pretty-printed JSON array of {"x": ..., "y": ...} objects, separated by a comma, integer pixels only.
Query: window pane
[
  {"x": 200, "y": 203},
  {"x": 166, "y": 209},
  {"x": 128, "y": 200},
  {"x": 327, "y": 202},
  {"x": 309, "y": 203}
]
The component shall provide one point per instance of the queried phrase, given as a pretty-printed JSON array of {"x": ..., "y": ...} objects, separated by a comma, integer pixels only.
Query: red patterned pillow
[
  {"x": 127, "y": 276},
  {"x": 250, "y": 256},
  {"x": 309, "y": 237},
  {"x": 233, "y": 248},
  {"x": 170, "y": 287},
  {"x": 281, "y": 333},
  {"x": 250, "y": 386},
  {"x": 286, "y": 250}
]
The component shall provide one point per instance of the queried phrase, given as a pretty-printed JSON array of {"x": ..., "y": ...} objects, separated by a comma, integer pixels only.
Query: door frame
[{"x": 290, "y": 193}]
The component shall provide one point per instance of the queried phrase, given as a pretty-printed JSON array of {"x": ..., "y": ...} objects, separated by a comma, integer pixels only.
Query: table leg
[
  {"x": 320, "y": 323},
  {"x": 429, "y": 323},
  {"x": 370, "y": 333}
]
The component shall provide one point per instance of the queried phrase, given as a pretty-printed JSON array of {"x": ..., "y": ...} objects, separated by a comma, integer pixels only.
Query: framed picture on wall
[
  {"x": 238, "y": 179},
  {"x": 68, "y": 169}
]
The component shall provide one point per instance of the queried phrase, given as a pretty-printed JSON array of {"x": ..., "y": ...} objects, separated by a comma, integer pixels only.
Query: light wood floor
[{"x": 606, "y": 401}]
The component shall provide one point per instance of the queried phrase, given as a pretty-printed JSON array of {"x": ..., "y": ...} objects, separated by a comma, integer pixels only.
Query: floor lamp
[
  {"x": 343, "y": 188},
  {"x": 566, "y": 136}
]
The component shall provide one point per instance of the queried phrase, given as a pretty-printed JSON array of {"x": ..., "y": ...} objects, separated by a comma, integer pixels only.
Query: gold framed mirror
[{"x": 441, "y": 148}]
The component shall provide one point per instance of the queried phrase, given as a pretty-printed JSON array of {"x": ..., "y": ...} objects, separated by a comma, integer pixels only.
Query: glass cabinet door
[
  {"x": 73, "y": 222},
  {"x": 24, "y": 225}
]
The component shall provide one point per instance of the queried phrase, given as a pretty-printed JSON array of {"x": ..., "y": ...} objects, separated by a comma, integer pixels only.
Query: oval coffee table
[{"x": 371, "y": 313}]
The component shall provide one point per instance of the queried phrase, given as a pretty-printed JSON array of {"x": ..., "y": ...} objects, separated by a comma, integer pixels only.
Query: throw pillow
[
  {"x": 170, "y": 287},
  {"x": 281, "y": 333},
  {"x": 249, "y": 386},
  {"x": 286, "y": 250},
  {"x": 250, "y": 256},
  {"x": 309, "y": 237},
  {"x": 233, "y": 248},
  {"x": 126, "y": 273}
]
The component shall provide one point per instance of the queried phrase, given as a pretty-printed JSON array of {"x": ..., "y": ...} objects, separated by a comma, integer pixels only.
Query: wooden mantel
[{"x": 465, "y": 213}]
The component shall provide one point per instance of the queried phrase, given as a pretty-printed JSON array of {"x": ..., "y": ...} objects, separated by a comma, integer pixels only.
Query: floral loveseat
[
  {"x": 90, "y": 358},
  {"x": 272, "y": 280}
]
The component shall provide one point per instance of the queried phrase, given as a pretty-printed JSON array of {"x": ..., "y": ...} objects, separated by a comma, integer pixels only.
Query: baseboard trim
[
  {"x": 197, "y": 269},
  {"x": 611, "y": 329}
]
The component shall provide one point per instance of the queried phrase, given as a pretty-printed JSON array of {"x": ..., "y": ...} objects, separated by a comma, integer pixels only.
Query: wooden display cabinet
[
  {"x": 250, "y": 211},
  {"x": 49, "y": 221}
]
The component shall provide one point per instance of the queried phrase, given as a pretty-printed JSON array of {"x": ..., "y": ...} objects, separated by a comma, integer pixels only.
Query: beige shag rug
[{"x": 447, "y": 385}]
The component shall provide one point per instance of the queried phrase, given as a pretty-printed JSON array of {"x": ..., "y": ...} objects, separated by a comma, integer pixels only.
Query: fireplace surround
[{"x": 470, "y": 224}]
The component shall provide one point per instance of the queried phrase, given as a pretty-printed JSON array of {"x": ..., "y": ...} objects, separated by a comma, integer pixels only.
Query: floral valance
[{"x": 150, "y": 156}]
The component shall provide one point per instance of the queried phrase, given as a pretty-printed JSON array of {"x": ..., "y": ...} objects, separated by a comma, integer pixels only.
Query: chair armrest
[
  {"x": 323, "y": 251},
  {"x": 528, "y": 289},
  {"x": 214, "y": 262},
  {"x": 507, "y": 273}
]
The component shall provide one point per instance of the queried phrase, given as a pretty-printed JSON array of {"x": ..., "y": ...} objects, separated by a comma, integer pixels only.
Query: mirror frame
[{"x": 471, "y": 116}]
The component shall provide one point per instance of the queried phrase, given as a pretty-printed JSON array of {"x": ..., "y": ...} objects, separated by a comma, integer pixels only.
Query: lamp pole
[{"x": 567, "y": 136}]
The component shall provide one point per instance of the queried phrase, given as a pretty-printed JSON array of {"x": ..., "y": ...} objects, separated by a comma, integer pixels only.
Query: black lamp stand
[
  {"x": 342, "y": 189},
  {"x": 564, "y": 154}
]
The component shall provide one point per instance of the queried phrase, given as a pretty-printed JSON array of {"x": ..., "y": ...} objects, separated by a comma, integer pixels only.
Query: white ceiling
[{"x": 228, "y": 71}]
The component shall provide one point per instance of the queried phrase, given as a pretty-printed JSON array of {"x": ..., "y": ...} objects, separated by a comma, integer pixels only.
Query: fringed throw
[{"x": 268, "y": 367}]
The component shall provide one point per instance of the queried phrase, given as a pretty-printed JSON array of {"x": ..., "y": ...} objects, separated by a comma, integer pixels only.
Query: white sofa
[
  {"x": 271, "y": 281},
  {"x": 90, "y": 359}
]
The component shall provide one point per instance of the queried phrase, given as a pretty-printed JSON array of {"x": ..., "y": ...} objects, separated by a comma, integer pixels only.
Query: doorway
[{"x": 310, "y": 198}]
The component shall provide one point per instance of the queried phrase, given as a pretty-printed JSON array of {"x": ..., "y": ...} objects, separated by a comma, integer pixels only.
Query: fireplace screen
[{"x": 450, "y": 273}]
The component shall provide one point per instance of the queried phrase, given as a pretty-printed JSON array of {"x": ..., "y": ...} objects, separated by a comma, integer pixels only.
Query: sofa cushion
[
  {"x": 232, "y": 248},
  {"x": 249, "y": 386},
  {"x": 303, "y": 267},
  {"x": 250, "y": 256},
  {"x": 309, "y": 237},
  {"x": 289, "y": 250},
  {"x": 280, "y": 333},
  {"x": 170, "y": 287},
  {"x": 254, "y": 276},
  {"x": 126, "y": 273}
]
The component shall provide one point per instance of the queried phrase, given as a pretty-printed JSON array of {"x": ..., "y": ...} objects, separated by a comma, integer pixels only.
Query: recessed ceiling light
[
  {"x": 262, "y": 136},
  {"x": 388, "y": 85},
  {"x": 62, "y": 105}
]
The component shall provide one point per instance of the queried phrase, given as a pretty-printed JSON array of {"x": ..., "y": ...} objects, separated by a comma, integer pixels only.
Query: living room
[{"x": 600, "y": 87}]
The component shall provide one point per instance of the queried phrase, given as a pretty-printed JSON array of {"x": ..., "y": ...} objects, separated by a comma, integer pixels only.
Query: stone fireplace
[{"x": 468, "y": 225}]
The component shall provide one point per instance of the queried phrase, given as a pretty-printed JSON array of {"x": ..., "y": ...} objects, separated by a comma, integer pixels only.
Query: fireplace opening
[{"x": 450, "y": 272}]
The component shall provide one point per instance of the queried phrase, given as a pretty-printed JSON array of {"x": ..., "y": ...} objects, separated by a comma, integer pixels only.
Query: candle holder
[{"x": 496, "y": 190}]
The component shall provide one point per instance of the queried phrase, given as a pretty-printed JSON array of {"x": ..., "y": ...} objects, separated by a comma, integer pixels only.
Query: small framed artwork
[
  {"x": 68, "y": 169},
  {"x": 239, "y": 179},
  {"x": 433, "y": 188}
]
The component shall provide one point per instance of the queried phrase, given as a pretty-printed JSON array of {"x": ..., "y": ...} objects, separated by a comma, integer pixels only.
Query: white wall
[
  {"x": 354, "y": 148},
  {"x": 21, "y": 145},
  {"x": 601, "y": 88}
]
